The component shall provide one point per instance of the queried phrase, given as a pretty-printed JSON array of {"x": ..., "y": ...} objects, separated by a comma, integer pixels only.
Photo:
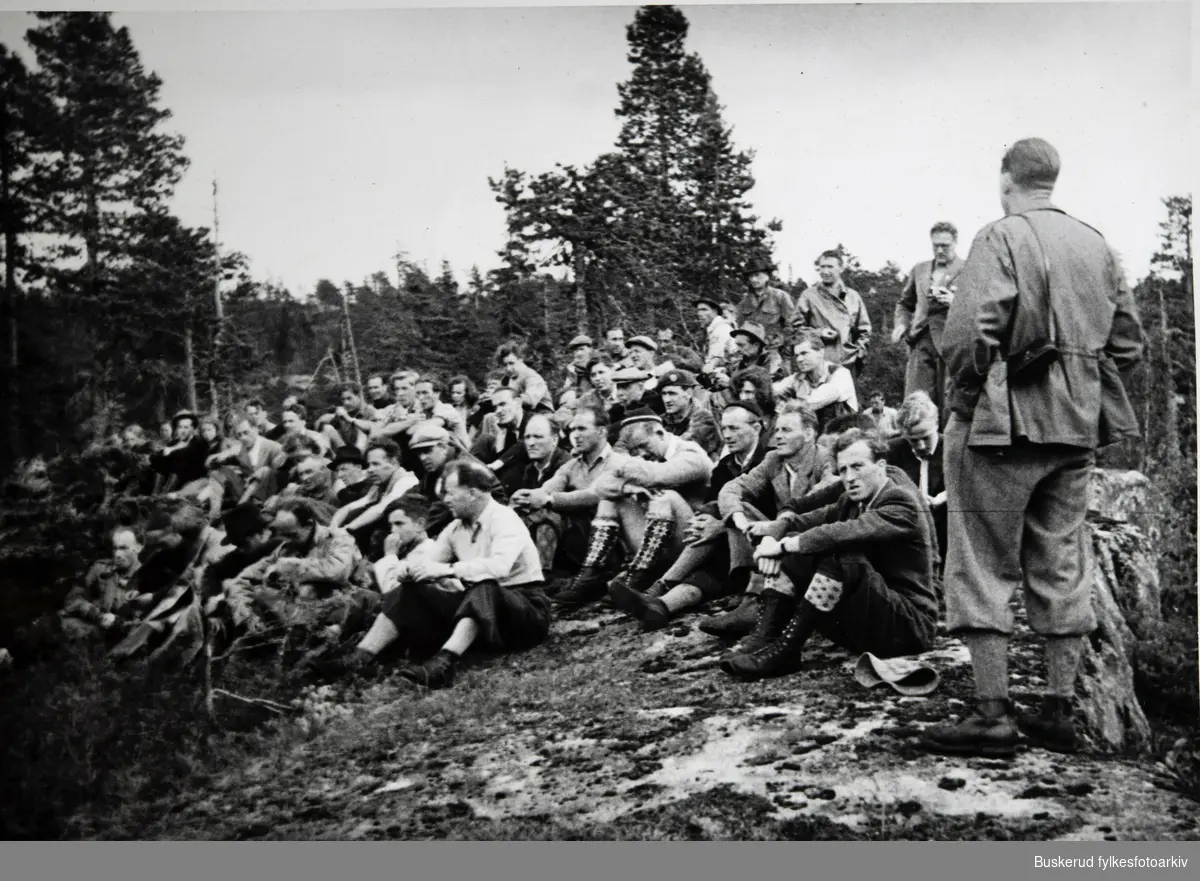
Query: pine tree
[
  {"x": 657, "y": 220},
  {"x": 22, "y": 107},
  {"x": 103, "y": 165}
]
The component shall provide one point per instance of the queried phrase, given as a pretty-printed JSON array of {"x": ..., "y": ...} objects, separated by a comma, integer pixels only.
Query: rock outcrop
[{"x": 1126, "y": 600}]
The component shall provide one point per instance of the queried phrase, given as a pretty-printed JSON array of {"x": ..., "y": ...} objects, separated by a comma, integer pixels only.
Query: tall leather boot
[
  {"x": 775, "y": 610},
  {"x": 589, "y": 583},
  {"x": 781, "y": 656},
  {"x": 650, "y": 558}
]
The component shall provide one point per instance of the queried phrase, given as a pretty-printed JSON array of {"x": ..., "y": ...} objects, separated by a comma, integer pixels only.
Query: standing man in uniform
[
  {"x": 1018, "y": 459},
  {"x": 921, "y": 315},
  {"x": 837, "y": 313}
]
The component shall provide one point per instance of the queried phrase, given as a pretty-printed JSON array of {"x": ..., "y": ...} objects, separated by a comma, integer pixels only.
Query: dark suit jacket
[{"x": 893, "y": 535}]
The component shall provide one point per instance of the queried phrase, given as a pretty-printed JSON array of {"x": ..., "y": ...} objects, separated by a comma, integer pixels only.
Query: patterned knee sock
[{"x": 823, "y": 592}]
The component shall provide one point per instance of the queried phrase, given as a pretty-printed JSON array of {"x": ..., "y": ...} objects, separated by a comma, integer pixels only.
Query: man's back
[{"x": 1093, "y": 310}]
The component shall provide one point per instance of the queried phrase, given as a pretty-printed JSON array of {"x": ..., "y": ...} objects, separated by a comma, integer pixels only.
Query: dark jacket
[
  {"x": 727, "y": 469},
  {"x": 1002, "y": 305},
  {"x": 697, "y": 425},
  {"x": 893, "y": 534}
]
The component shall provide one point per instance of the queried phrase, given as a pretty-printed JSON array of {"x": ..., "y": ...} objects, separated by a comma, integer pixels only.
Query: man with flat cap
[
  {"x": 435, "y": 449},
  {"x": 683, "y": 415},
  {"x": 631, "y": 393},
  {"x": 706, "y": 567},
  {"x": 718, "y": 344},
  {"x": 753, "y": 353},
  {"x": 578, "y": 381},
  {"x": 647, "y": 502},
  {"x": 644, "y": 355},
  {"x": 771, "y": 308}
]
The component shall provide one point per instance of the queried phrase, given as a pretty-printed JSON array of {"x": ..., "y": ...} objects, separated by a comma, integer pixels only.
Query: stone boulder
[{"x": 1126, "y": 600}]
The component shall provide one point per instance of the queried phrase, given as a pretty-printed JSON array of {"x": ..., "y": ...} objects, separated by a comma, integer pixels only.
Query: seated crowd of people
[{"x": 420, "y": 517}]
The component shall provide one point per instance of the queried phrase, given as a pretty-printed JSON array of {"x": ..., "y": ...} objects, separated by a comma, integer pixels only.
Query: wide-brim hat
[
  {"x": 759, "y": 264},
  {"x": 752, "y": 329},
  {"x": 581, "y": 340},
  {"x": 629, "y": 375},
  {"x": 643, "y": 341},
  {"x": 347, "y": 454},
  {"x": 427, "y": 434},
  {"x": 242, "y": 521},
  {"x": 184, "y": 414}
]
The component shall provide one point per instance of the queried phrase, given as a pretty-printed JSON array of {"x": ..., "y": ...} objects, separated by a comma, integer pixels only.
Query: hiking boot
[
  {"x": 987, "y": 732},
  {"x": 589, "y": 585},
  {"x": 739, "y": 622},
  {"x": 782, "y": 655},
  {"x": 774, "y": 612},
  {"x": 437, "y": 672},
  {"x": 653, "y": 557},
  {"x": 651, "y": 611},
  {"x": 1053, "y": 728}
]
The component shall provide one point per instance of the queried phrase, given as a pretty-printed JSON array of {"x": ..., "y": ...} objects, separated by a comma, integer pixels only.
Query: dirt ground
[{"x": 605, "y": 732}]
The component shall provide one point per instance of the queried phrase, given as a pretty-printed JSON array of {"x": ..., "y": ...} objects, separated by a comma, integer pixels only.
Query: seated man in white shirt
[
  {"x": 481, "y": 584},
  {"x": 827, "y": 388}
]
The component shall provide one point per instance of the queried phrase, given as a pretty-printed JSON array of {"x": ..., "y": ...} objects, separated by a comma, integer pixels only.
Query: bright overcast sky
[{"x": 338, "y": 136}]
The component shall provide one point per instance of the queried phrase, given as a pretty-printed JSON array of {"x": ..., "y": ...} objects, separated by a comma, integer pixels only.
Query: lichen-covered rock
[
  {"x": 1126, "y": 600},
  {"x": 1122, "y": 496}
]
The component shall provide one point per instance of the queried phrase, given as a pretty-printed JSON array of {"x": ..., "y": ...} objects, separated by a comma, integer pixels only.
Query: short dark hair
[
  {"x": 859, "y": 420},
  {"x": 599, "y": 414},
  {"x": 389, "y": 447},
  {"x": 764, "y": 395},
  {"x": 378, "y": 376},
  {"x": 471, "y": 392},
  {"x": 1031, "y": 162},
  {"x": 432, "y": 380},
  {"x": 299, "y": 507},
  {"x": 598, "y": 359},
  {"x": 254, "y": 402},
  {"x": 414, "y": 505},
  {"x": 811, "y": 336},
  {"x": 348, "y": 387},
  {"x": 470, "y": 474},
  {"x": 834, "y": 255},
  {"x": 510, "y": 347},
  {"x": 299, "y": 409},
  {"x": 877, "y": 446},
  {"x": 944, "y": 226}
]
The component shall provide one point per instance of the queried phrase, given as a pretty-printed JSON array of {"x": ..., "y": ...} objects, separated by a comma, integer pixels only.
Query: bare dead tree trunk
[
  {"x": 219, "y": 304},
  {"x": 189, "y": 368},
  {"x": 1172, "y": 454},
  {"x": 581, "y": 310}
]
